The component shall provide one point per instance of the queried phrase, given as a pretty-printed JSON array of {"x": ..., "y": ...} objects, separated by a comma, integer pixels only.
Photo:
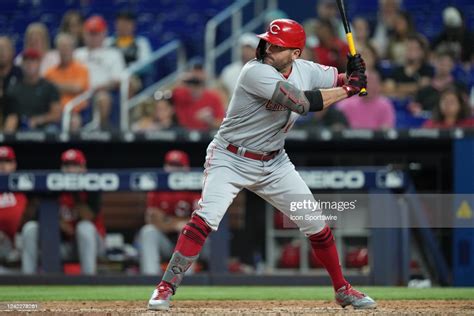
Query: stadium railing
[
  {"x": 127, "y": 104},
  {"x": 235, "y": 12}
]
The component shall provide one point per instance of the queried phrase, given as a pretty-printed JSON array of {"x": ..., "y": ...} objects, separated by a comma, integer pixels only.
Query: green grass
[{"x": 59, "y": 293}]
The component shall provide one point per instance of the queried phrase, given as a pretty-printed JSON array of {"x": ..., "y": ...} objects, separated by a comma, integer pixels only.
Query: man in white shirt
[
  {"x": 248, "y": 43},
  {"x": 106, "y": 66}
]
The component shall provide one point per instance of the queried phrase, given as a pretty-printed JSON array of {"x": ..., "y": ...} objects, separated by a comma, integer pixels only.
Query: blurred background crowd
[
  {"x": 420, "y": 68},
  {"x": 420, "y": 74}
]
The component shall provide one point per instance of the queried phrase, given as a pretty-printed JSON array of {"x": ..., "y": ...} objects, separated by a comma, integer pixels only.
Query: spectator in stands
[
  {"x": 455, "y": 37},
  {"x": 165, "y": 217},
  {"x": 307, "y": 53},
  {"x": 361, "y": 33},
  {"x": 32, "y": 103},
  {"x": 81, "y": 223},
  {"x": 451, "y": 111},
  {"x": 70, "y": 76},
  {"x": 143, "y": 116},
  {"x": 9, "y": 73},
  {"x": 327, "y": 10},
  {"x": 248, "y": 43},
  {"x": 372, "y": 62},
  {"x": 373, "y": 111},
  {"x": 196, "y": 106},
  {"x": 330, "y": 51},
  {"x": 309, "y": 26},
  {"x": 414, "y": 74},
  {"x": 159, "y": 115},
  {"x": 397, "y": 43},
  {"x": 12, "y": 205},
  {"x": 134, "y": 48},
  {"x": 386, "y": 20},
  {"x": 428, "y": 97},
  {"x": 37, "y": 38},
  {"x": 72, "y": 23},
  {"x": 330, "y": 118},
  {"x": 106, "y": 66}
]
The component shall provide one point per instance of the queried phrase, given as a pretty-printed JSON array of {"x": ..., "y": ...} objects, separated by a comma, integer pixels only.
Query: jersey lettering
[{"x": 270, "y": 106}]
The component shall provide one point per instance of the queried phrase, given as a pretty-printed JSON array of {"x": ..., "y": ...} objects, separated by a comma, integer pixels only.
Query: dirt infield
[{"x": 427, "y": 307}]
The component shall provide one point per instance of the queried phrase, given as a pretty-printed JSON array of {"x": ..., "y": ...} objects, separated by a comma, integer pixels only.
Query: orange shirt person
[{"x": 70, "y": 76}]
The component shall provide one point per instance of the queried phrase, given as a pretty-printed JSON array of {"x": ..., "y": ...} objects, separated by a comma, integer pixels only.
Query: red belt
[{"x": 255, "y": 156}]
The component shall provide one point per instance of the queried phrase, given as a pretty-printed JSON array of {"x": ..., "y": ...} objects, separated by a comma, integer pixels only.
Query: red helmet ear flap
[{"x": 261, "y": 49}]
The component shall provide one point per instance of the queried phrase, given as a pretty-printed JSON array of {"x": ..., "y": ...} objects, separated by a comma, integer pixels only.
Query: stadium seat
[
  {"x": 161, "y": 20},
  {"x": 10, "y": 5}
]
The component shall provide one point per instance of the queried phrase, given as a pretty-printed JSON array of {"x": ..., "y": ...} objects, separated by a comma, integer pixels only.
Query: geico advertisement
[
  {"x": 82, "y": 181},
  {"x": 185, "y": 180},
  {"x": 337, "y": 179}
]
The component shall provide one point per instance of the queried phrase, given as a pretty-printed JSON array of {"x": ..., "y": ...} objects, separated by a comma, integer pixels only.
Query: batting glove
[
  {"x": 354, "y": 63},
  {"x": 357, "y": 81}
]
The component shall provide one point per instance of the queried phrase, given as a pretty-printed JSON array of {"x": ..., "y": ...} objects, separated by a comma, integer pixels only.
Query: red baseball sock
[
  {"x": 192, "y": 237},
  {"x": 325, "y": 250},
  {"x": 190, "y": 242}
]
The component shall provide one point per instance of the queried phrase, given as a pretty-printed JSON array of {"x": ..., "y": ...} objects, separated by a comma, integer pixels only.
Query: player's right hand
[{"x": 357, "y": 81}]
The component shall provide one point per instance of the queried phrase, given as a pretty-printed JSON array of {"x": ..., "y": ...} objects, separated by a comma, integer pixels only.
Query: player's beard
[{"x": 281, "y": 66}]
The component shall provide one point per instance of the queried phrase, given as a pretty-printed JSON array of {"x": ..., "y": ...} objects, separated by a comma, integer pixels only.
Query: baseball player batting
[{"x": 272, "y": 91}]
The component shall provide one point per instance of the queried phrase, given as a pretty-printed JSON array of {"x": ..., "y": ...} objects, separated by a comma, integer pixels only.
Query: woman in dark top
[{"x": 452, "y": 111}]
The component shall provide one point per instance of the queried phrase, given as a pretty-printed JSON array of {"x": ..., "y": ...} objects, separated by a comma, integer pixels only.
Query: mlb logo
[
  {"x": 21, "y": 182},
  {"x": 144, "y": 182},
  {"x": 390, "y": 179}
]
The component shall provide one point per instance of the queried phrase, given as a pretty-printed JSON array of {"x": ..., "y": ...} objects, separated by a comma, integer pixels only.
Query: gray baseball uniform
[
  {"x": 252, "y": 120},
  {"x": 255, "y": 124}
]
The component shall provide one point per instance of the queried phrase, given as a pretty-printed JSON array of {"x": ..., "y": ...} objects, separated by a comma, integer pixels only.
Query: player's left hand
[{"x": 354, "y": 63}]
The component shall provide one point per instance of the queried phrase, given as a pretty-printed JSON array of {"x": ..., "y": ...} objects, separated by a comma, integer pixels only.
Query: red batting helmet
[
  {"x": 177, "y": 158},
  {"x": 73, "y": 156},
  {"x": 7, "y": 153},
  {"x": 285, "y": 33}
]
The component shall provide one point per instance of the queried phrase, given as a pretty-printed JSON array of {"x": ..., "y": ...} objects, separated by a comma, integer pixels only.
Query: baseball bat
[{"x": 350, "y": 39}]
